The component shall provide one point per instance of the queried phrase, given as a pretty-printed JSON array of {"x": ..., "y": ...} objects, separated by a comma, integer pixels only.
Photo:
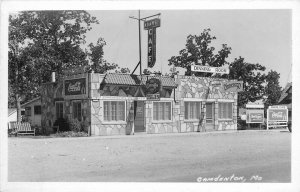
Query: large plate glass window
[
  {"x": 192, "y": 110},
  {"x": 225, "y": 111},
  {"x": 114, "y": 110},
  {"x": 162, "y": 111},
  {"x": 37, "y": 110},
  {"x": 77, "y": 110}
]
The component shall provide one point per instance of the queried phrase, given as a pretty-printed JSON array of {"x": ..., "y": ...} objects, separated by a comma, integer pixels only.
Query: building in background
[
  {"x": 286, "y": 99},
  {"x": 33, "y": 111}
]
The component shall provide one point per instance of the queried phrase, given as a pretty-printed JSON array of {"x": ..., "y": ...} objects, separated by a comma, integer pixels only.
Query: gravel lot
[{"x": 252, "y": 156}]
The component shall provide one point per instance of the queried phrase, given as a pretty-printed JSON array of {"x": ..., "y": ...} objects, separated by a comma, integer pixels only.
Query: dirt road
[{"x": 251, "y": 156}]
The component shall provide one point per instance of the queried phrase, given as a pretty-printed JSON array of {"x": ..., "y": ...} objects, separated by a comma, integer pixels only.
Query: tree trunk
[{"x": 18, "y": 104}]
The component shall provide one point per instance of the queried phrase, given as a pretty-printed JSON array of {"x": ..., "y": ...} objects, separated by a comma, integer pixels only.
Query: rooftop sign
[
  {"x": 208, "y": 69},
  {"x": 153, "y": 23}
]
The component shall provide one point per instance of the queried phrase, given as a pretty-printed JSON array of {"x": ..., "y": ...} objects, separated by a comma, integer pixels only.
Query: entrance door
[
  {"x": 139, "y": 111},
  {"x": 210, "y": 116}
]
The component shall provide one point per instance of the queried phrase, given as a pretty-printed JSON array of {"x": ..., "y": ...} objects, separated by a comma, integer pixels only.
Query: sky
[{"x": 258, "y": 35}]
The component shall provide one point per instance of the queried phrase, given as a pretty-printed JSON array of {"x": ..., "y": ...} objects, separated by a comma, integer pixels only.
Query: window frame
[
  {"x": 73, "y": 102},
  {"x": 34, "y": 110},
  {"x": 225, "y": 119},
  {"x": 28, "y": 111},
  {"x": 164, "y": 120},
  {"x": 63, "y": 111},
  {"x": 200, "y": 110},
  {"x": 105, "y": 121}
]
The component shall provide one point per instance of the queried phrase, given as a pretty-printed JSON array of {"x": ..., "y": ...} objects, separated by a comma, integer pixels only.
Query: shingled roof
[
  {"x": 285, "y": 95},
  {"x": 135, "y": 80}
]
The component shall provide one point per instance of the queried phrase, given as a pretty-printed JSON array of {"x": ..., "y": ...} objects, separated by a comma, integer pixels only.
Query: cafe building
[{"x": 125, "y": 104}]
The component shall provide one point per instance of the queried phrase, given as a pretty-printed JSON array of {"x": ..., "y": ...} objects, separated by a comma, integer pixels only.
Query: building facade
[{"x": 120, "y": 104}]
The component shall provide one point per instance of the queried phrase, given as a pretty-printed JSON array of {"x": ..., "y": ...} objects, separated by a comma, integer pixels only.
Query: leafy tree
[
  {"x": 198, "y": 51},
  {"x": 41, "y": 42},
  {"x": 272, "y": 89},
  {"x": 252, "y": 77}
]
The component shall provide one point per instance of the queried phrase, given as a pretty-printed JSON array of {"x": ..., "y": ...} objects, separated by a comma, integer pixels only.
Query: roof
[
  {"x": 135, "y": 80},
  {"x": 285, "y": 93},
  {"x": 30, "y": 101},
  {"x": 11, "y": 111}
]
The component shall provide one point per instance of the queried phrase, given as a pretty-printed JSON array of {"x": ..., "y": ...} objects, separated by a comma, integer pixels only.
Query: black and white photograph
[{"x": 149, "y": 96}]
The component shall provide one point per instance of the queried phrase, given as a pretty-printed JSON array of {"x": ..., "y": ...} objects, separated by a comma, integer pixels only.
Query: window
[
  {"x": 59, "y": 110},
  {"x": 37, "y": 110},
  {"x": 210, "y": 112},
  {"x": 77, "y": 110},
  {"x": 225, "y": 110},
  {"x": 161, "y": 111},
  {"x": 28, "y": 111},
  {"x": 114, "y": 110},
  {"x": 192, "y": 110}
]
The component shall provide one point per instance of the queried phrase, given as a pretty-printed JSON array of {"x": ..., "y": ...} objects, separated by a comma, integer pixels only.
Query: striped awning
[{"x": 135, "y": 80}]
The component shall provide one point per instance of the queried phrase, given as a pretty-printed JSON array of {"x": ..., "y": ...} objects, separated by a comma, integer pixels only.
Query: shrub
[
  {"x": 70, "y": 134},
  {"x": 85, "y": 126},
  {"x": 62, "y": 123},
  {"x": 74, "y": 125}
]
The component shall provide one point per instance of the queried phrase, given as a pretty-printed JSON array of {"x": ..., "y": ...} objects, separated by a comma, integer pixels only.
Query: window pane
[
  {"x": 186, "y": 110},
  {"x": 113, "y": 110},
  {"x": 167, "y": 111},
  {"x": 160, "y": 111},
  {"x": 121, "y": 111}
]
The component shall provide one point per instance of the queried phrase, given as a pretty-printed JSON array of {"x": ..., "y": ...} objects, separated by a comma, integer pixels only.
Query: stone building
[{"x": 119, "y": 104}]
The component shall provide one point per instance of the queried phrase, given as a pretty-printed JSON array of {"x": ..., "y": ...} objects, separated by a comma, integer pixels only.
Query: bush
[
  {"x": 62, "y": 123},
  {"x": 70, "y": 134},
  {"x": 85, "y": 126},
  {"x": 74, "y": 125}
]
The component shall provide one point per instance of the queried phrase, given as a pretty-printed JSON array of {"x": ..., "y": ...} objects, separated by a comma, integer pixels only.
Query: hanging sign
[
  {"x": 208, "y": 69},
  {"x": 75, "y": 86},
  {"x": 151, "y": 47}
]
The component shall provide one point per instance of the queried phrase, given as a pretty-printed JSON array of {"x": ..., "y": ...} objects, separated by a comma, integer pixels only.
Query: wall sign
[
  {"x": 153, "y": 85},
  {"x": 75, "y": 86},
  {"x": 153, "y": 97},
  {"x": 208, "y": 69},
  {"x": 235, "y": 86}
]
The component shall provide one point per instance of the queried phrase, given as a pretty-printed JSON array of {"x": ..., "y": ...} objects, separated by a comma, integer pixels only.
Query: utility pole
[{"x": 140, "y": 49}]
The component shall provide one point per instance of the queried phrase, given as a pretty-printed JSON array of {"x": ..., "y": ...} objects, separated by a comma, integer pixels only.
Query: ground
[{"x": 243, "y": 156}]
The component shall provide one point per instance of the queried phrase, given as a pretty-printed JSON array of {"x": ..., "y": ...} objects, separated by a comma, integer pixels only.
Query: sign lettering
[
  {"x": 255, "y": 116},
  {"x": 153, "y": 97},
  {"x": 153, "y": 23},
  {"x": 151, "y": 47},
  {"x": 233, "y": 86},
  {"x": 277, "y": 114},
  {"x": 208, "y": 69},
  {"x": 75, "y": 86}
]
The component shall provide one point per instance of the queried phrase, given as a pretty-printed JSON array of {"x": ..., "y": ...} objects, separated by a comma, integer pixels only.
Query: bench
[{"x": 21, "y": 128}]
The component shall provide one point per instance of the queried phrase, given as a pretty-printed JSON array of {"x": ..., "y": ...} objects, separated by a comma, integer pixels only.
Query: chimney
[{"x": 53, "y": 77}]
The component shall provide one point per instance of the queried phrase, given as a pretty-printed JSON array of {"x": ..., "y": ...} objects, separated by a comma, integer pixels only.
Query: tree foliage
[
  {"x": 199, "y": 51},
  {"x": 272, "y": 89}
]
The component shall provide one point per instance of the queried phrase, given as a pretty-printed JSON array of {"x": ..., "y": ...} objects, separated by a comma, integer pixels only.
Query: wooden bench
[{"x": 21, "y": 128}]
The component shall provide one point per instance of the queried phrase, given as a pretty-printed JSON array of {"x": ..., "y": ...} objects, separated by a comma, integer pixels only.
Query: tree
[
  {"x": 272, "y": 89},
  {"x": 252, "y": 77},
  {"x": 41, "y": 42},
  {"x": 198, "y": 51}
]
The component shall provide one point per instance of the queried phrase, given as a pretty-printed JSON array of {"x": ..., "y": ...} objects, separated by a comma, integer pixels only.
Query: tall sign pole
[{"x": 147, "y": 25}]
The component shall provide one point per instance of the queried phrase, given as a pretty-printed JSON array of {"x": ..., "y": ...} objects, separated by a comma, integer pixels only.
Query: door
[
  {"x": 210, "y": 116},
  {"x": 139, "y": 111}
]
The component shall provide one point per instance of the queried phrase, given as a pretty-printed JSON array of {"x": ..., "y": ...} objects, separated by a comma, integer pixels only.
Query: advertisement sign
[
  {"x": 277, "y": 114},
  {"x": 233, "y": 86},
  {"x": 208, "y": 69},
  {"x": 255, "y": 116},
  {"x": 153, "y": 85},
  {"x": 153, "y": 97},
  {"x": 75, "y": 86},
  {"x": 153, "y": 23},
  {"x": 151, "y": 47}
]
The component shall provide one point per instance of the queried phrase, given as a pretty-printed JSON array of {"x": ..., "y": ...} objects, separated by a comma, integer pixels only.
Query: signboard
[
  {"x": 208, "y": 69},
  {"x": 151, "y": 47},
  {"x": 75, "y": 86},
  {"x": 153, "y": 97},
  {"x": 255, "y": 116},
  {"x": 235, "y": 86},
  {"x": 277, "y": 114},
  {"x": 74, "y": 70},
  {"x": 153, "y": 85},
  {"x": 153, "y": 23},
  {"x": 278, "y": 107}
]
